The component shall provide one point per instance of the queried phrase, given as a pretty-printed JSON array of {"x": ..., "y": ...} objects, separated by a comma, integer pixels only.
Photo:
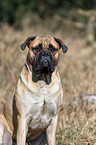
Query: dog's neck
[
  {"x": 46, "y": 77},
  {"x": 42, "y": 76}
]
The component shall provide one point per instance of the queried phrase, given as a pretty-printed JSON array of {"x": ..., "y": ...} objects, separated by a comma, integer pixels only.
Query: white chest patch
[
  {"x": 40, "y": 102},
  {"x": 41, "y": 115}
]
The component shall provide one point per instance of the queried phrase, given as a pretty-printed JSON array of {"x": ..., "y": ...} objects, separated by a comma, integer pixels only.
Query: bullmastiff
[{"x": 30, "y": 115}]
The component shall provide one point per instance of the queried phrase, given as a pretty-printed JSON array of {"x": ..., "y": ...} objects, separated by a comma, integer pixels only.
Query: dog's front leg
[
  {"x": 51, "y": 131},
  {"x": 21, "y": 130}
]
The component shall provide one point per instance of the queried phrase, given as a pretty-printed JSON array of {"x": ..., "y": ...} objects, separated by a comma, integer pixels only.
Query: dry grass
[{"x": 77, "y": 120}]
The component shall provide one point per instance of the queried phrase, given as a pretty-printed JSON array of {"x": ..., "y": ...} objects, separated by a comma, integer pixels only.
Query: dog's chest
[
  {"x": 41, "y": 114},
  {"x": 43, "y": 107},
  {"x": 40, "y": 102}
]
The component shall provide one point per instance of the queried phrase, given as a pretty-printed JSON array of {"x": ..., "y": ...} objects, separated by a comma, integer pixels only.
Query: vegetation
[
  {"x": 14, "y": 10},
  {"x": 77, "y": 119}
]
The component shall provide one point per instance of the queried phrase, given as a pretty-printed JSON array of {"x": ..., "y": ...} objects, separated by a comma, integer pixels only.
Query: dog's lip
[{"x": 45, "y": 63}]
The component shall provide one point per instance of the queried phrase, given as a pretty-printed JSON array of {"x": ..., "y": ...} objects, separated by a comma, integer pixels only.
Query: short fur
[{"x": 31, "y": 114}]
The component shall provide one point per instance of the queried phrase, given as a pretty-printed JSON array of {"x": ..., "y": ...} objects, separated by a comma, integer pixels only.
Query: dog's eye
[
  {"x": 36, "y": 49},
  {"x": 53, "y": 49}
]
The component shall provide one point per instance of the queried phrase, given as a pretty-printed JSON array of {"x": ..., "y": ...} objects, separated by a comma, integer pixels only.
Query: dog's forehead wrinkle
[{"x": 45, "y": 41}]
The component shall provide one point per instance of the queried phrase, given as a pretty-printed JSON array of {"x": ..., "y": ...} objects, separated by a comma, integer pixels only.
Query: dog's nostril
[
  {"x": 48, "y": 54},
  {"x": 43, "y": 53}
]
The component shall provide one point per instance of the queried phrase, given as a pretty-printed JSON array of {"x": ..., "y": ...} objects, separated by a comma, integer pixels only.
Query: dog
[{"x": 30, "y": 115}]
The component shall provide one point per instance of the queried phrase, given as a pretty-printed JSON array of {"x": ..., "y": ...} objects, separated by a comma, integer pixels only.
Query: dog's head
[{"x": 43, "y": 55}]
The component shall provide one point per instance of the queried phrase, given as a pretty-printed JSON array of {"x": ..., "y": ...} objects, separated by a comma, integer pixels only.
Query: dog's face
[{"x": 43, "y": 55}]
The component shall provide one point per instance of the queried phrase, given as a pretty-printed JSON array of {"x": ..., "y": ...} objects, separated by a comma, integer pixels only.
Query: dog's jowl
[{"x": 30, "y": 115}]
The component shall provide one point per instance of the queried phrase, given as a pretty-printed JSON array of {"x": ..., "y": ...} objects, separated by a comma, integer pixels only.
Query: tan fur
[
  {"x": 37, "y": 103},
  {"x": 45, "y": 41}
]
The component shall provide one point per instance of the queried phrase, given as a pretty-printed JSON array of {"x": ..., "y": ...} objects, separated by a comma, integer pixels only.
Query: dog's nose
[{"x": 45, "y": 53}]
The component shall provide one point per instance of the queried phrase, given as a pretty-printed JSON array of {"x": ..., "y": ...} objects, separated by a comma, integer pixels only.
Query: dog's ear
[
  {"x": 27, "y": 42},
  {"x": 61, "y": 44}
]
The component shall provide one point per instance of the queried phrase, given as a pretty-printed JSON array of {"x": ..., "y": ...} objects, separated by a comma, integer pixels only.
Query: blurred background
[
  {"x": 12, "y": 11},
  {"x": 73, "y": 21}
]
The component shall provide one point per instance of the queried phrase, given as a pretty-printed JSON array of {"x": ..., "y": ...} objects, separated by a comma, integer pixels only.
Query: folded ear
[
  {"x": 61, "y": 44},
  {"x": 27, "y": 42}
]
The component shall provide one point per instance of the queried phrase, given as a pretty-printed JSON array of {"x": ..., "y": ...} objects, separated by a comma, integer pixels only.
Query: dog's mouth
[{"x": 44, "y": 62}]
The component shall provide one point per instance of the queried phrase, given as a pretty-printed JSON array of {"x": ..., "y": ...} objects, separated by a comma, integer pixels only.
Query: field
[{"x": 77, "y": 119}]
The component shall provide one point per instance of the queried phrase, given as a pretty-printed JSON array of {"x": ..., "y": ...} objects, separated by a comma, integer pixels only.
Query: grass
[{"x": 77, "y": 119}]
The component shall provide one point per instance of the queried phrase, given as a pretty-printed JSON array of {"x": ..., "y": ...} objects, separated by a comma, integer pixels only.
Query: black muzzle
[{"x": 44, "y": 62}]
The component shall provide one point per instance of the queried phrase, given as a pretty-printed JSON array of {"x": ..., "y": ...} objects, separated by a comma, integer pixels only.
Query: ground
[{"x": 77, "y": 119}]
